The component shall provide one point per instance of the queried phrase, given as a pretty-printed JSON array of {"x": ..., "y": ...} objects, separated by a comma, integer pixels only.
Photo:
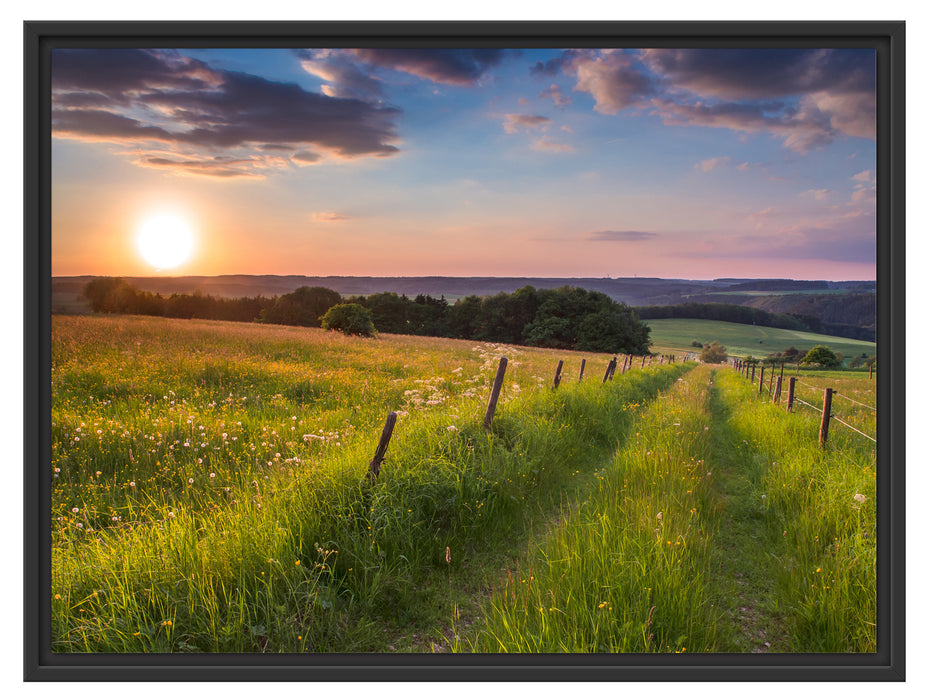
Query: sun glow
[{"x": 165, "y": 241}]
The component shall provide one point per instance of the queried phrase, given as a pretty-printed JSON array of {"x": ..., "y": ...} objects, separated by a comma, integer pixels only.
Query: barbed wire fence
[{"x": 749, "y": 371}]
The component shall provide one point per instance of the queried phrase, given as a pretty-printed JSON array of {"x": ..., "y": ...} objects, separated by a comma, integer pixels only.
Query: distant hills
[{"x": 849, "y": 303}]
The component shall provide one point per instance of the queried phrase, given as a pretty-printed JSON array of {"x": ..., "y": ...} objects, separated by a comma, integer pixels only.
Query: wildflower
[
  {"x": 659, "y": 516},
  {"x": 452, "y": 428},
  {"x": 57, "y": 597},
  {"x": 448, "y": 558},
  {"x": 212, "y": 475},
  {"x": 859, "y": 498},
  {"x": 75, "y": 510},
  {"x": 171, "y": 514},
  {"x": 190, "y": 481}
]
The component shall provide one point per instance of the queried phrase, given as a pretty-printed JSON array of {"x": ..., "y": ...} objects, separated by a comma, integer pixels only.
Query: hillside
[{"x": 740, "y": 339}]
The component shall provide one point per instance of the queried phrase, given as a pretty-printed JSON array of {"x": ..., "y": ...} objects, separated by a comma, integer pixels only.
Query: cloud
[
  {"x": 710, "y": 164},
  {"x": 514, "y": 123},
  {"x": 344, "y": 76},
  {"x": 806, "y": 97},
  {"x": 554, "y": 92},
  {"x": 816, "y": 194},
  {"x": 621, "y": 236},
  {"x": 447, "y": 66},
  {"x": 329, "y": 217},
  {"x": 196, "y": 113},
  {"x": 546, "y": 145},
  {"x": 863, "y": 176},
  {"x": 611, "y": 78}
]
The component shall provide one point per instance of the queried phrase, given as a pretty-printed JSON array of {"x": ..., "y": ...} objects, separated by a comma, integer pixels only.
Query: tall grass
[
  {"x": 821, "y": 505},
  {"x": 626, "y": 572},
  {"x": 209, "y": 487}
]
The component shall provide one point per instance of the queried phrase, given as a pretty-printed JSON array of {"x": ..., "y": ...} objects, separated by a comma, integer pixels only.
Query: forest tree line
[{"x": 566, "y": 317}]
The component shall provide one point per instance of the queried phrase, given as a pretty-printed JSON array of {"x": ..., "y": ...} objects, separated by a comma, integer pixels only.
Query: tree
[
  {"x": 302, "y": 307},
  {"x": 109, "y": 295},
  {"x": 715, "y": 353},
  {"x": 822, "y": 356},
  {"x": 351, "y": 319}
]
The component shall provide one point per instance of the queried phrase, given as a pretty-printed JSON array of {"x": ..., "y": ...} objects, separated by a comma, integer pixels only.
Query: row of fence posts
[
  {"x": 375, "y": 464},
  {"x": 748, "y": 369}
]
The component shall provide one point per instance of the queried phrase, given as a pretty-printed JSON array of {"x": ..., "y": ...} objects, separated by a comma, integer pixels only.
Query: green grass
[
  {"x": 209, "y": 488},
  {"x": 720, "y": 527},
  {"x": 740, "y": 339},
  {"x": 209, "y": 494}
]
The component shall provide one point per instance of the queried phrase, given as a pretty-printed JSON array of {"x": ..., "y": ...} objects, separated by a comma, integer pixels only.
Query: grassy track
[{"x": 720, "y": 527}]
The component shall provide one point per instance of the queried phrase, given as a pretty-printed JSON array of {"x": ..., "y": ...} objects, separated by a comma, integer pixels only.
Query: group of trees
[
  {"x": 567, "y": 317},
  {"x": 116, "y": 295}
]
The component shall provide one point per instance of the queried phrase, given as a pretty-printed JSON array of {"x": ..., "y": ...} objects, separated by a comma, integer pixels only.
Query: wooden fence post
[
  {"x": 375, "y": 464},
  {"x": 582, "y": 369},
  {"x": 871, "y": 371},
  {"x": 791, "y": 397},
  {"x": 608, "y": 370},
  {"x": 613, "y": 367},
  {"x": 642, "y": 360},
  {"x": 762, "y": 372},
  {"x": 777, "y": 392},
  {"x": 558, "y": 372},
  {"x": 752, "y": 372},
  {"x": 771, "y": 375},
  {"x": 825, "y": 417},
  {"x": 495, "y": 390}
]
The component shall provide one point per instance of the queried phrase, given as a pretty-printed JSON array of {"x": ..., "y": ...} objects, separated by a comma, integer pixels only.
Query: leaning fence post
[
  {"x": 495, "y": 390},
  {"x": 607, "y": 371},
  {"x": 791, "y": 397},
  {"x": 582, "y": 369},
  {"x": 556, "y": 377},
  {"x": 642, "y": 360},
  {"x": 777, "y": 392},
  {"x": 762, "y": 372},
  {"x": 375, "y": 464},
  {"x": 825, "y": 417}
]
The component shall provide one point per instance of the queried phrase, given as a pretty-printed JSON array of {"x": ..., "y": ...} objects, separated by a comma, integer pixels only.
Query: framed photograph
[{"x": 464, "y": 351}]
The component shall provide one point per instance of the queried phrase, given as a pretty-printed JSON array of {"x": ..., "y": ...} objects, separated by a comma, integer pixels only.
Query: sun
[{"x": 165, "y": 241}]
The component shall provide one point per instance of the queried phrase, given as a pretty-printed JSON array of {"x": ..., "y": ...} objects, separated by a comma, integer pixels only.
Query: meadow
[
  {"x": 210, "y": 493},
  {"x": 677, "y": 334}
]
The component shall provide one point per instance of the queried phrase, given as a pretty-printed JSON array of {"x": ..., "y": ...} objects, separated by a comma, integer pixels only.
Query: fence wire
[{"x": 853, "y": 429}]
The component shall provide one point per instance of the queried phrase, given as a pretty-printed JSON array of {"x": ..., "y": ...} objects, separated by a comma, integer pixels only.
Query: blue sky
[{"x": 570, "y": 163}]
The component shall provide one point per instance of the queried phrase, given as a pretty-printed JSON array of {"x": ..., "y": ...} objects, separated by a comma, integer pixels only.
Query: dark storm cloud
[{"x": 185, "y": 105}]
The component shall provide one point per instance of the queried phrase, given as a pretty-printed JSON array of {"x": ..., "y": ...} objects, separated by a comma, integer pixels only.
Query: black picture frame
[{"x": 887, "y": 664}]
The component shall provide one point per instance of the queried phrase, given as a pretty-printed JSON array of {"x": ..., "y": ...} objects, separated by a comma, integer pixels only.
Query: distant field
[{"x": 676, "y": 334}]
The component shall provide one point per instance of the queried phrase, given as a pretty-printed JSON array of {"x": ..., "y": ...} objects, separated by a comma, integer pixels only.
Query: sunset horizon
[{"x": 677, "y": 164}]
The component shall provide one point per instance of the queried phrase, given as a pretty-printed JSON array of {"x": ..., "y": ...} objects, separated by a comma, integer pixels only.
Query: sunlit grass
[{"x": 209, "y": 487}]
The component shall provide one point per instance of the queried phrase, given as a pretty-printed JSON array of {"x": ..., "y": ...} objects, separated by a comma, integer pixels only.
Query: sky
[{"x": 676, "y": 163}]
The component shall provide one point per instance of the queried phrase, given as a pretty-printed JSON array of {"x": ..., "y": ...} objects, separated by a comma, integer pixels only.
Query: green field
[
  {"x": 210, "y": 493},
  {"x": 677, "y": 334}
]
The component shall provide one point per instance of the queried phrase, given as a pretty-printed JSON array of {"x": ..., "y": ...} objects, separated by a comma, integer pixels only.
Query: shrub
[
  {"x": 351, "y": 319},
  {"x": 822, "y": 356},
  {"x": 714, "y": 353}
]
